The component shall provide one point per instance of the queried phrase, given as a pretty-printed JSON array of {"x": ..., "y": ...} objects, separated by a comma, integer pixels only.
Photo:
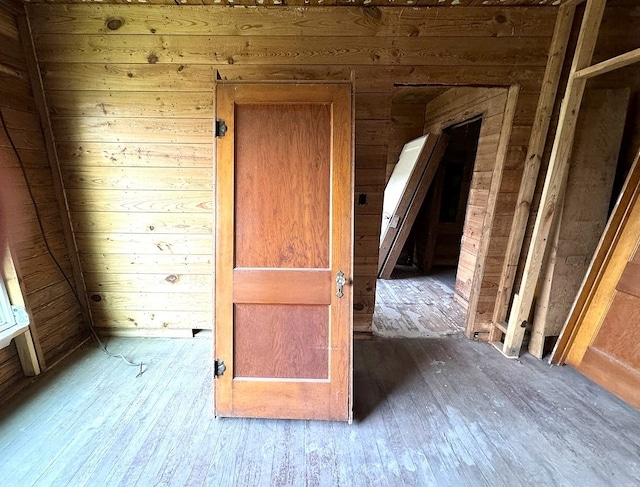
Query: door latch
[{"x": 340, "y": 281}]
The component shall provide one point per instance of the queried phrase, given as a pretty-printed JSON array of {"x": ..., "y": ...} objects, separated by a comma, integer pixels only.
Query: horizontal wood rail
[{"x": 626, "y": 59}]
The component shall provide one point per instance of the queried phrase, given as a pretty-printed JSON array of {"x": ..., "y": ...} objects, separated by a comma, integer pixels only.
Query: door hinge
[
  {"x": 221, "y": 128},
  {"x": 218, "y": 368}
]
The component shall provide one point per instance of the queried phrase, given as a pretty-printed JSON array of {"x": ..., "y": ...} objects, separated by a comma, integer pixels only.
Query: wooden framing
[
  {"x": 487, "y": 225},
  {"x": 612, "y": 64},
  {"x": 591, "y": 294},
  {"x": 497, "y": 108},
  {"x": 537, "y": 140},
  {"x": 581, "y": 71},
  {"x": 582, "y": 210},
  {"x": 555, "y": 179}
]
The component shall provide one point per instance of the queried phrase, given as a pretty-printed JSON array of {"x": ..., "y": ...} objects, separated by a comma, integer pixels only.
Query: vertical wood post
[
  {"x": 556, "y": 176},
  {"x": 544, "y": 111}
]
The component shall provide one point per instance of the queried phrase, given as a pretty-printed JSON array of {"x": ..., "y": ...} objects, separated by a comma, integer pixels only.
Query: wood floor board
[
  {"x": 431, "y": 412},
  {"x": 162, "y": 456},
  {"x": 576, "y": 417},
  {"x": 411, "y": 305},
  {"x": 461, "y": 426},
  {"x": 545, "y": 426},
  {"x": 138, "y": 443},
  {"x": 62, "y": 396},
  {"x": 406, "y": 429},
  {"x": 482, "y": 422},
  {"x": 143, "y": 397}
]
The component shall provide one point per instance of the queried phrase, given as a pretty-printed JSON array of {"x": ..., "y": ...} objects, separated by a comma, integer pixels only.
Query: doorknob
[{"x": 340, "y": 281}]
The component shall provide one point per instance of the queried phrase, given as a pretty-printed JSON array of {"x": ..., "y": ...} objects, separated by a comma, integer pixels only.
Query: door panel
[
  {"x": 284, "y": 341},
  {"x": 613, "y": 359},
  {"x": 282, "y": 218},
  {"x": 283, "y": 232}
]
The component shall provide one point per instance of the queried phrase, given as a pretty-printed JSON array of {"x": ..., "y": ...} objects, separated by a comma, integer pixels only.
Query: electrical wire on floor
[{"x": 94, "y": 335}]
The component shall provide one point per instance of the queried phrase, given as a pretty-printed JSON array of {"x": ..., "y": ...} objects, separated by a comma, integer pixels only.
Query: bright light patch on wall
[{"x": 13, "y": 320}]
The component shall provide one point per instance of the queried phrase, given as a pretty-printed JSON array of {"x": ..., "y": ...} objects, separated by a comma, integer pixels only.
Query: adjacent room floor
[
  {"x": 436, "y": 411},
  {"x": 411, "y": 305}
]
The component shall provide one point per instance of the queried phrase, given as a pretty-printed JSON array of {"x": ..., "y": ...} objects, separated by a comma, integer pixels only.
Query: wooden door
[
  {"x": 400, "y": 188},
  {"x": 613, "y": 359},
  {"x": 284, "y": 205},
  {"x": 602, "y": 335}
]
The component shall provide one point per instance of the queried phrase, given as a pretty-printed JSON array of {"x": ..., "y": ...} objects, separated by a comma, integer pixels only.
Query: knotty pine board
[
  {"x": 321, "y": 22},
  {"x": 88, "y": 70},
  {"x": 144, "y": 154}
]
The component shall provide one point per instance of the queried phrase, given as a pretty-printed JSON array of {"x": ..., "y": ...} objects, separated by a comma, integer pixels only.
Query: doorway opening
[{"x": 419, "y": 299}]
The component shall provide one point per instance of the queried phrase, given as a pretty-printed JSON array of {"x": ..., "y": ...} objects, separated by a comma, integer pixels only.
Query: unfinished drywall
[{"x": 55, "y": 313}]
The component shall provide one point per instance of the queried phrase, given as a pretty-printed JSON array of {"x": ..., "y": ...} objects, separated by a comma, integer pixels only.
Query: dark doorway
[{"x": 437, "y": 232}]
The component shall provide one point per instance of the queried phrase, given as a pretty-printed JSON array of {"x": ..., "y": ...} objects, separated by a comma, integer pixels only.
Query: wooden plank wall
[
  {"x": 54, "y": 310},
  {"x": 453, "y": 107},
  {"x": 130, "y": 95}
]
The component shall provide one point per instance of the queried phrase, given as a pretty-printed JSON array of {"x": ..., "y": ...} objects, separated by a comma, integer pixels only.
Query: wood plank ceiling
[{"x": 325, "y": 3}]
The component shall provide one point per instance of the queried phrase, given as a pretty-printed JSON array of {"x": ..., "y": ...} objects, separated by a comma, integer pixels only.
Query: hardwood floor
[
  {"x": 435, "y": 411},
  {"x": 411, "y": 305}
]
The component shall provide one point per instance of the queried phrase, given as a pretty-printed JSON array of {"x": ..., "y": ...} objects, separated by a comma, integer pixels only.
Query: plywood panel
[
  {"x": 291, "y": 341},
  {"x": 298, "y": 240}
]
